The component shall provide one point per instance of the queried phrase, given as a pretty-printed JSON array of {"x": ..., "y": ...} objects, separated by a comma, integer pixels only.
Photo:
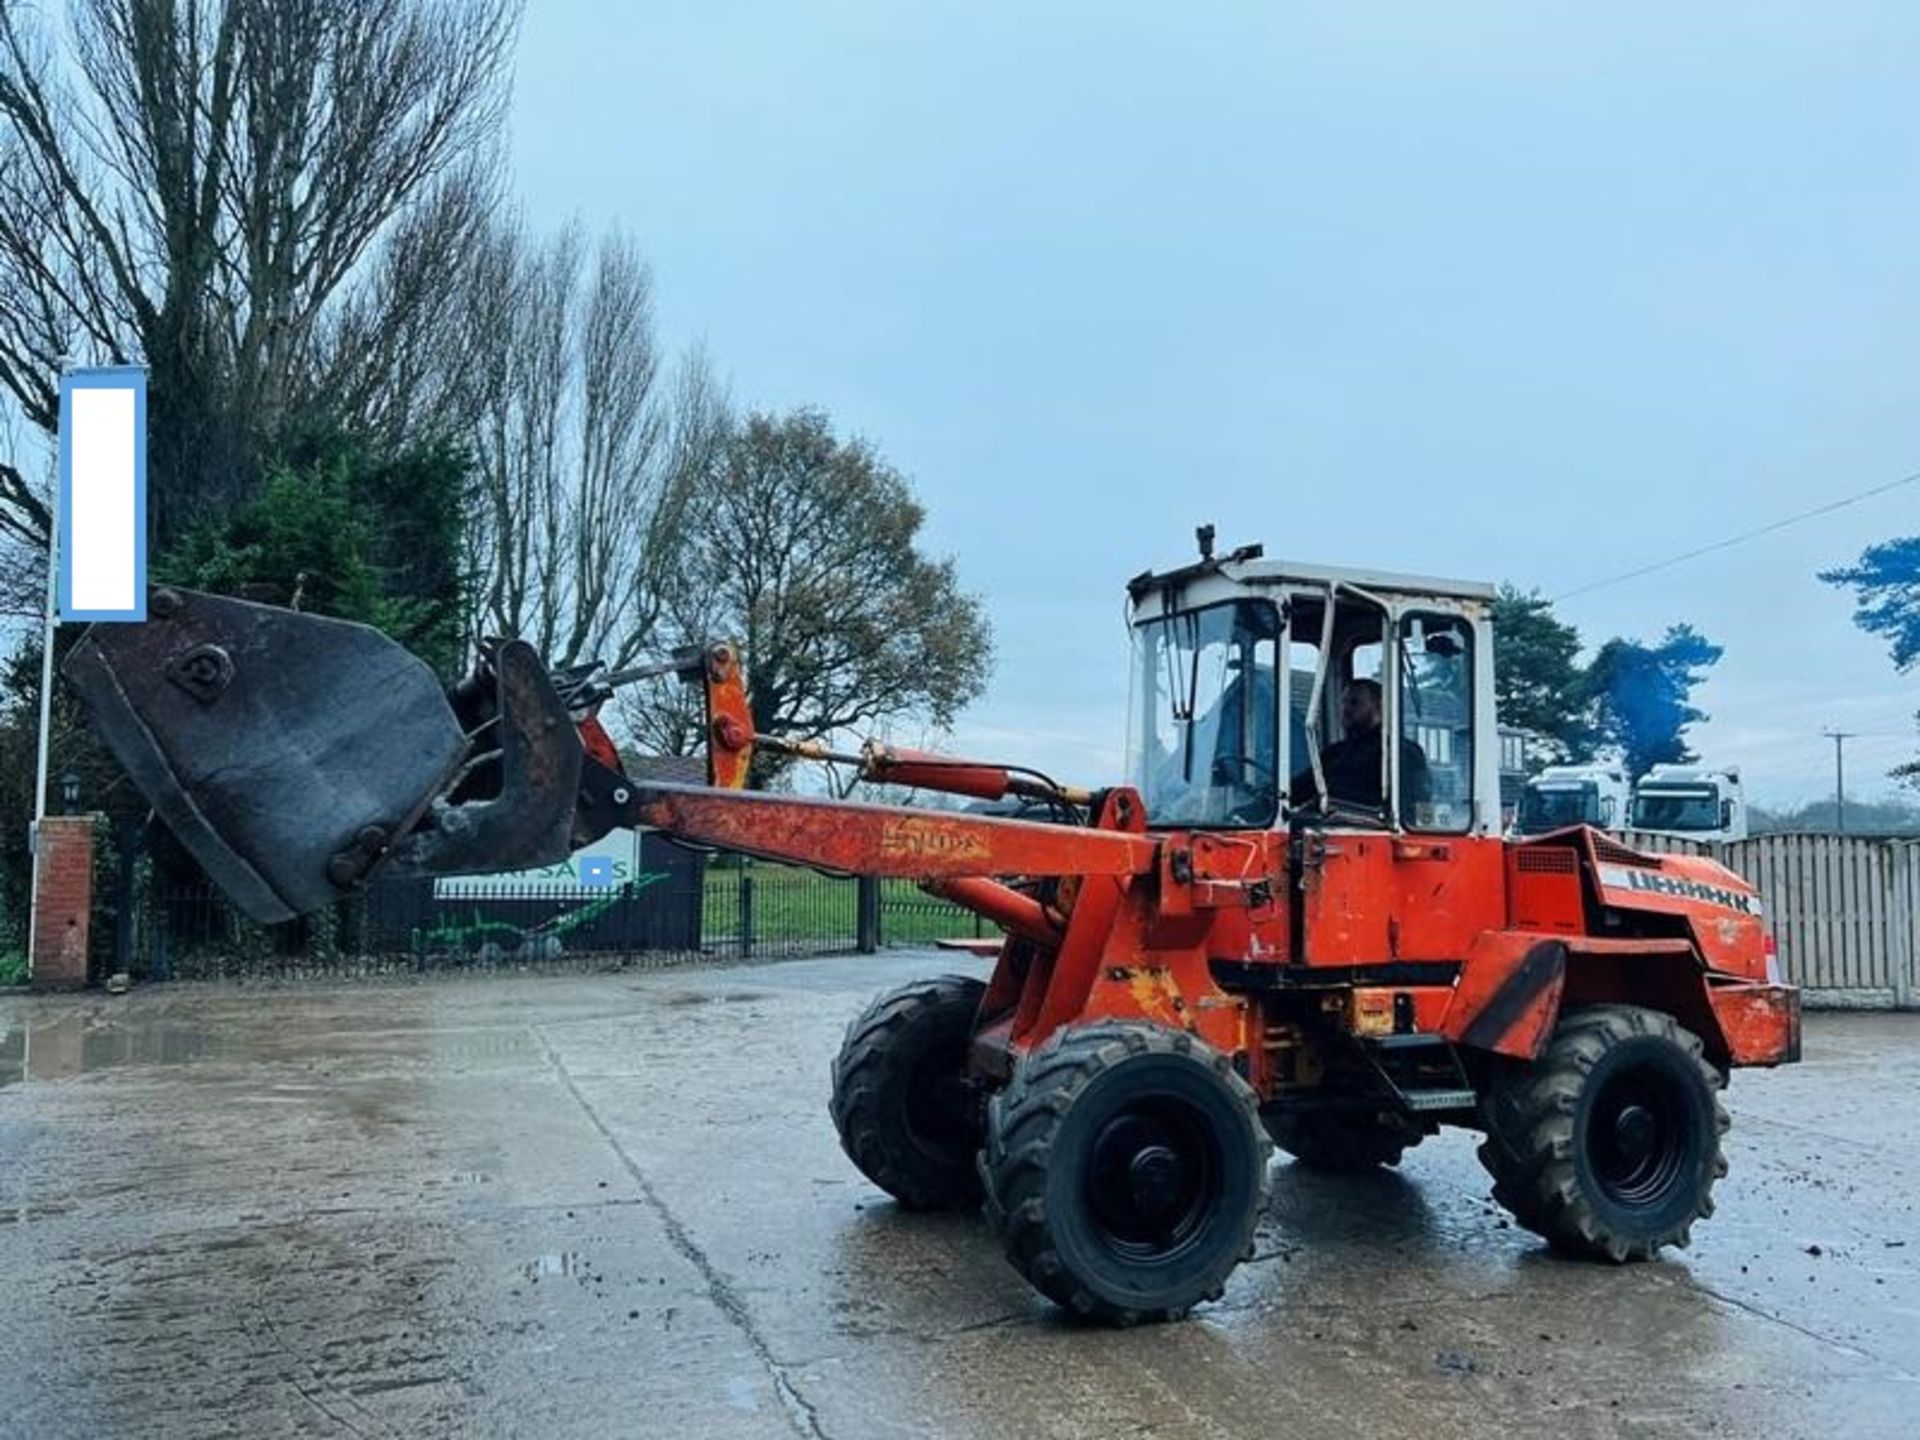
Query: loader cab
[{"x": 1244, "y": 713}]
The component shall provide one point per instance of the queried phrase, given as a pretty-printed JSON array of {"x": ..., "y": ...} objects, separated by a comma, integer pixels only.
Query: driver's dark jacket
[{"x": 1352, "y": 768}]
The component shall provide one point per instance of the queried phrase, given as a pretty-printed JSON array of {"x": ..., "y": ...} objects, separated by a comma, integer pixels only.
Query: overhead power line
[{"x": 1740, "y": 539}]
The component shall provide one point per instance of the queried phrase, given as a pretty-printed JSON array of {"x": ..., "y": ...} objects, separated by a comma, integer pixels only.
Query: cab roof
[
  {"x": 1254, "y": 569},
  {"x": 1280, "y": 571}
]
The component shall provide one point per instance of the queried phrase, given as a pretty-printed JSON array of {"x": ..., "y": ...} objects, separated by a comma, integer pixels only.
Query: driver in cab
[{"x": 1352, "y": 764}]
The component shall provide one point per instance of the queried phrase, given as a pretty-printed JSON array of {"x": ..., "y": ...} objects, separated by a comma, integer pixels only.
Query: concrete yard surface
[{"x": 613, "y": 1205}]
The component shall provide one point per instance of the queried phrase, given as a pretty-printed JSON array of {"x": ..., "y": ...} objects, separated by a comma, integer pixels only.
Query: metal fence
[
  {"x": 1841, "y": 909},
  {"x": 778, "y": 910},
  {"x": 679, "y": 906}
]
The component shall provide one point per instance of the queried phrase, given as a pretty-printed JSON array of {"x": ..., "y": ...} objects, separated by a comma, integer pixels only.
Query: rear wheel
[
  {"x": 1340, "y": 1142},
  {"x": 1126, "y": 1169},
  {"x": 1609, "y": 1144},
  {"x": 906, "y": 1112}
]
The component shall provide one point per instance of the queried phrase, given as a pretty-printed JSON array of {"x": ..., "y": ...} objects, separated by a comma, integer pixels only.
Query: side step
[
  {"x": 1417, "y": 1040},
  {"x": 1419, "y": 1088},
  {"x": 1422, "y": 1101}
]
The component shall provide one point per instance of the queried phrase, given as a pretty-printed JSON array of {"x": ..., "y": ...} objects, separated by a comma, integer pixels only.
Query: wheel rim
[
  {"x": 1155, "y": 1177},
  {"x": 1637, "y": 1138}
]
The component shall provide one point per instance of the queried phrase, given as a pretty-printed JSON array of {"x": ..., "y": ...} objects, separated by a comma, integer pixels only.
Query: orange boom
[{"x": 1296, "y": 924}]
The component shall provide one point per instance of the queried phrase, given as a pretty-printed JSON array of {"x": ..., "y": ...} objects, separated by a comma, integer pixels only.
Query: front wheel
[
  {"x": 1125, "y": 1170},
  {"x": 906, "y": 1112},
  {"x": 1609, "y": 1143}
]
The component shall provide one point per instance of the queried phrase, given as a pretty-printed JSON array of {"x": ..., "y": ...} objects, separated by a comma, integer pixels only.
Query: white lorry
[
  {"x": 1696, "y": 801},
  {"x": 1563, "y": 795}
]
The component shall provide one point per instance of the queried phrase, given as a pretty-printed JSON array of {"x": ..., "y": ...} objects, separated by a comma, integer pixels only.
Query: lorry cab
[
  {"x": 1563, "y": 795},
  {"x": 1694, "y": 801}
]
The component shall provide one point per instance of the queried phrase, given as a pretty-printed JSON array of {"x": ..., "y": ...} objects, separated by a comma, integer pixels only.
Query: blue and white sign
[
  {"x": 614, "y": 860},
  {"x": 103, "y": 494}
]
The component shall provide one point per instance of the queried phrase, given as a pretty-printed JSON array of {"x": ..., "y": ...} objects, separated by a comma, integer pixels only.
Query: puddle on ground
[
  {"x": 63, "y": 1046},
  {"x": 680, "y": 998},
  {"x": 570, "y": 1263}
]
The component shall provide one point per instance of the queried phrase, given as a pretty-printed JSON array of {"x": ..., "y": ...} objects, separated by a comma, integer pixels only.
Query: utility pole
[
  {"x": 1839, "y": 738},
  {"x": 50, "y": 623},
  {"x": 43, "y": 757}
]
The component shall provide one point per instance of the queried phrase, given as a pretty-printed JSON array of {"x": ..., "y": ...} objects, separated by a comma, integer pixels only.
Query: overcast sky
[{"x": 1501, "y": 291}]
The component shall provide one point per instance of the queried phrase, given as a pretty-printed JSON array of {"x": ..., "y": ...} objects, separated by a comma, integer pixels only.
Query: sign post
[
  {"x": 97, "y": 550},
  {"x": 46, "y": 669}
]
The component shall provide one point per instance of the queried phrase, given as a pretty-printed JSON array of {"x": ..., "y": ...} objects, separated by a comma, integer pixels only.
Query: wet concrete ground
[{"x": 613, "y": 1205}]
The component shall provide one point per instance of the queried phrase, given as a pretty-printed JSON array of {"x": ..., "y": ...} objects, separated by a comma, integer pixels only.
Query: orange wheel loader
[{"x": 1296, "y": 923}]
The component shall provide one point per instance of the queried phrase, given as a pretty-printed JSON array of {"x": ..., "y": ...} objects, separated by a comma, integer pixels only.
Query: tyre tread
[
  {"x": 1023, "y": 1119},
  {"x": 862, "y": 1083},
  {"x": 1529, "y": 1147}
]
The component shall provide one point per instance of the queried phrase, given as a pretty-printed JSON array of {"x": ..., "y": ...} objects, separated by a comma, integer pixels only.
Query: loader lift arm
[
  {"x": 891, "y": 840},
  {"x": 296, "y": 755}
]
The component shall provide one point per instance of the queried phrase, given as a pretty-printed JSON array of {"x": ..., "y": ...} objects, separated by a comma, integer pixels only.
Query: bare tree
[
  {"x": 259, "y": 199},
  {"x": 804, "y": 548},
  {"x": 587, "y": 444},
  {"x": 23, "y": 567}
]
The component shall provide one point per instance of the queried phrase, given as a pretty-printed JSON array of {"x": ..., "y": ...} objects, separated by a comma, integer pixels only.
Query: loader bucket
[{"x": 292, "y": 753}]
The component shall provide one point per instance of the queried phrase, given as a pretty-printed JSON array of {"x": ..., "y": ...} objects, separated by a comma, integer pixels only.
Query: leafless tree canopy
[
  {"x": 285, "y": 209},
  {"x": 586, "y": 444},
  {"x": 803, "y": 547},
  {"x": 265, "y": 201}
]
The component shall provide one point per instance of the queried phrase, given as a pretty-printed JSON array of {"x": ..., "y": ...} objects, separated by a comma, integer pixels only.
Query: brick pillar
[{"x": 63, "y": 902}]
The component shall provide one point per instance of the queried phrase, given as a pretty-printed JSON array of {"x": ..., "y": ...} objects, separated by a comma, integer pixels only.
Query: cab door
[
  {"x": 1341, "y": 860},
  {"x": 1421, "y": 878},
  {"x": 1449, "y": 876}
]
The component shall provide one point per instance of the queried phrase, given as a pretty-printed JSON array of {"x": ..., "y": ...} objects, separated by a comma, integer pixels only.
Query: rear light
[{"x": 1773, "y": 958}]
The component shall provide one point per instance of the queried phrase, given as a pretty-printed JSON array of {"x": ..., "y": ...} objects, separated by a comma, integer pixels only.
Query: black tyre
[
  {"x": 1338, "y": 1142},
  {"x": 1125, "y": 1170},
  {"x": 1609, "y": 1143},
  {"x": 906, "y": 1112}
]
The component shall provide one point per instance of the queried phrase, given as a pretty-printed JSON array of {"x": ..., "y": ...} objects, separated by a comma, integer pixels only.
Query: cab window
[
  {"x": 1204, "y": 740},
  {"x": 1436, "y": 722}
]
